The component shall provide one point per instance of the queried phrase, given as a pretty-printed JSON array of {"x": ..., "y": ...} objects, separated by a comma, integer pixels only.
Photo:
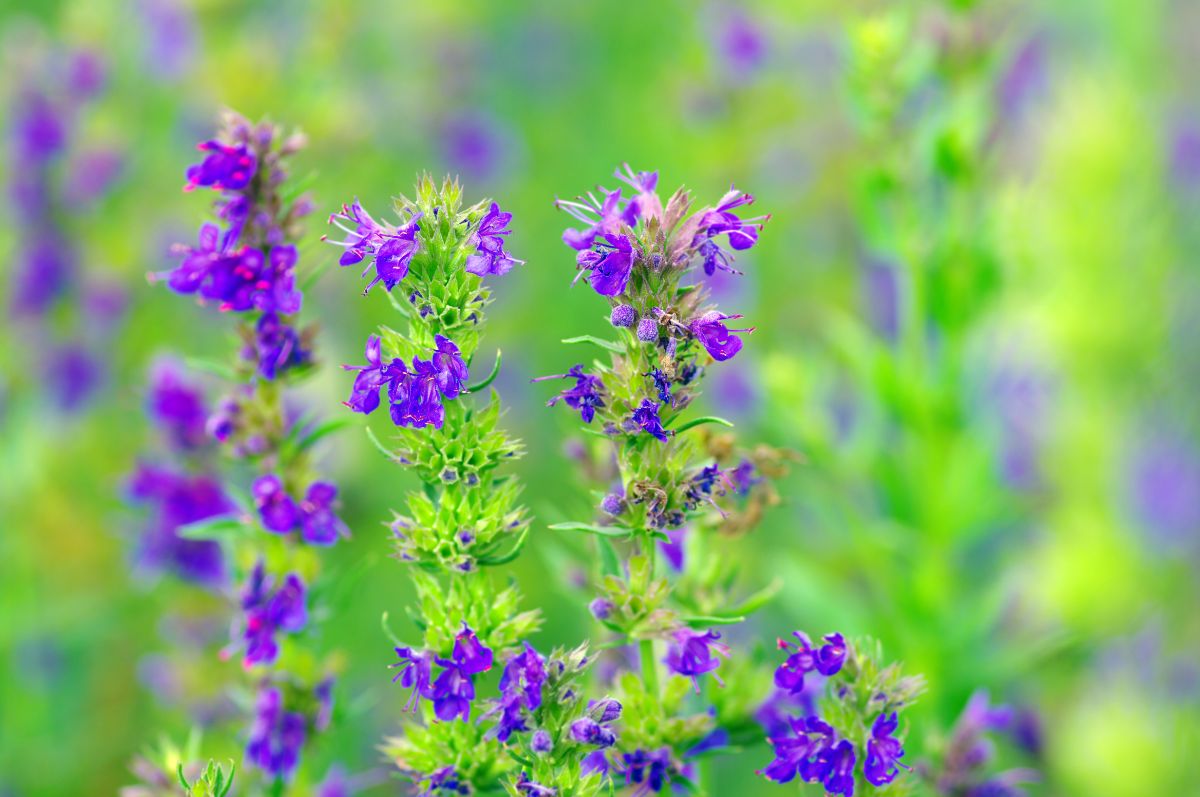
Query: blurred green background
[{"x": 976, "y": 311}]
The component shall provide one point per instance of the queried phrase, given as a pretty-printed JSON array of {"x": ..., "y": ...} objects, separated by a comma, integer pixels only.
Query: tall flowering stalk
[
  {"x": 276, "y": 521},
  {"x": 467, "y": 519}
]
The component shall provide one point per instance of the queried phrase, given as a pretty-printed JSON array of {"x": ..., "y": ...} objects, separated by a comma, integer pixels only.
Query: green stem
[{"x": 649, "y": 666}]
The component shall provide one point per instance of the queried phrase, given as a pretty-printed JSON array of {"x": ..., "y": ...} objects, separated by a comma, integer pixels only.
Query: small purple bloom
[
  {"x": 647, "y": 330},
  {"x": 605, "y": 218},
  {"x": 277, "y": 347},
  {"x": 541, "y": 743},
  {"x": 721, "y": 220},
  {"x": 601, "y": 608},
  {"x": 623, "y": 315},
  {"x": 662, "y": 384},
  {"x": 673, "y": 548},
  {"x": 611, "y": 263},
  {"x": 278, "y": 511},
  {"x": 452, "y": 692},
  {"x": 830, "y": 657},
  {"x": 225, "y": 167},
  {"x": 469, "y": 653},
  {"x": 416, "y": 672},
  {"x": 587, "y": 395},
  {"x": 691, "y": 654},
  {"x": 883, "y": 751},
  {"x": 180, "y": 499},
  {"x": 649, "y": 772},
  {"x": 444, "y": 781},
  {"x": 276, "y": 736},
  {"x": 178, "y": 407},
  {"x": 712, "y": 333},
  {"x": 268, "y": 612},
  {"x": 527, "y": 787},
  {"x": 415, "y": 400},
  {"x": 646, "y": 416},
  {"x": 840, "y": 778},
  {"x": 612, "y": 504},
  {"x": 586, "y": 730},
  {"x": 391, "y": 247},
  {"x": 488, "y": 238},
  {"x": 595, "y": 761},
  {"x": 319, "y": 525},
  {"x": 521, "y": 690},
  {"x": 451, "y": 370}
]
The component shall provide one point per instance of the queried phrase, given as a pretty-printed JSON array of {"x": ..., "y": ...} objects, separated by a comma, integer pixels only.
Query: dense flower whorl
[
  {"x": 453, "y": 691},
  {"x": 390, "y": 247},
  {"x": 827, "y": 660},
  {"x": 276, "y": 736},
  {"x": 489, "y": 257},
  {"x": 270, "y": 609},
  {"x": 415, "y": 397},
  {"x": 313, "y": 517}
]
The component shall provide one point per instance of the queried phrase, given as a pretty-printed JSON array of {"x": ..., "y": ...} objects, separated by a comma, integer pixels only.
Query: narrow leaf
[
  {"x": 704, "y": 620},
  {"x": 604, "y": 344},
  {"x": 379, "y": 445},
  {"x": 490, "y": 377},
  {"x": 219, "y": 528},
  {"x": 756, "y": 601},
  {"x": 388, "y": 632},
  {"x": 323, "y": 429},
  {"x": 182, "y": 780},
  {"x": 603, "y": 531},
  {"x": 505, "y": 558},
  {"x": 706, "y": 419}
]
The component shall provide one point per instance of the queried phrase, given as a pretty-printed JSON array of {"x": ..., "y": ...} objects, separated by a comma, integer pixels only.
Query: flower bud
[
  {"x": 647, "y": 330},
  {"x": 601, "y": 608},
  {"x": 612, "y": 504},
  {"x": 541, "y": 743},
  {"x": 623, "y": 315}
]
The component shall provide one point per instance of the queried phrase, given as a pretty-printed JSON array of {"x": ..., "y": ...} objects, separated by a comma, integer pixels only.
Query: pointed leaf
[{"x": 604, "y": 344}]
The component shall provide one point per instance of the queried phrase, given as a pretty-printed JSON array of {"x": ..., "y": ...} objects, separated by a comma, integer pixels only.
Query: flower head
[
  {"x": 225, "y": 167},
  {"x": 451, "y": 371},
  {"x": 691, "y": 654},
  {"x": 278, "y": 511},
  {"x": 391, "y": 247},
  {"x": 488, "y": 238},
  {"x": 269, "y": 611},
  {"x": 715, "y": 337},
  {"x": 178, "y": 407},
  {"x": 276, "y": 736},
  {"x": 416, "y": 671},
  {"x": 601, "y": 218},
  {"x": 319, "y": 524},
  {"x": 610, "y": 264},
  {"x": 646, "y": 416},
  {"x": 587, "y": 394},
  {"x": 884, "y": 751}
]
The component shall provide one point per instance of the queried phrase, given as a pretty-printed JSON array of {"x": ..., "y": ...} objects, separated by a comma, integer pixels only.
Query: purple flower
[
  {"x": 595, "y": 761},
  {"x": 646, "y": 416},
  {"x": 712, "y": 333},
  {"x": 319, "y": 525},
  {"x": 177, "y": 406},
  {"x": 416, "y": 671},
  {"x": 741, "y": 43},
  {"x": 526, "y": 786},
  {"x": 840, "y": 777},
  {"x": 601, "y": 608},
  {"x": 469, "y": 653},
  {"x": 541, "y": 743},
  {"x": 520, "y": 691},
  {"x": 647, "y": 330},
  {"x": 673, "y": 548},
  {"x": 623, "y": 315},
  {"x": 721, "y": 220},
  {"x": 180, "y": 499},
  {"x": 268, "y": 612},
  {"x": 605, "y": 218},
  {"x": 392, "y": 248},
  {"x": 611, "y": 263},
  {"x": 742, "y": 478},
  {"x": 488, "y": 238},
  {"x": 276, "y": 736},
  {"x": 649, "y": 772},
  {"x": 612, "y": 504},
  {"x": 415, "y": 400},
  {"x": 793, "y": 752},
  {"x": 587, "y": 395},
  {"x": 451, "y": 370},
  {"x": 830, "y": 657},
  {"x": 691, "y": 654},
  {"x": 442, "y": 782},
  {"x": 646, "y": 200},
  {"x": 278, "y": 511},
  {"x": 73, "y": 375},
  {"x": 237, "y": 280},
  {"x": 364, "y": 395},
  {"x": 883, "y": 751},
  {"x": 452, "y": 692},
  {"x": 226, "y": 167},
  {"x": 586, "y": 730},
  {"x": 277, "y": 347},
  {"x": 662, "y": 385},
  {"x": 827, "y": 660}
]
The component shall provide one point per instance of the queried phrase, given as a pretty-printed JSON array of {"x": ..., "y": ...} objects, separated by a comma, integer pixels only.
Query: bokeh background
[{"x": 976, "y": 309}]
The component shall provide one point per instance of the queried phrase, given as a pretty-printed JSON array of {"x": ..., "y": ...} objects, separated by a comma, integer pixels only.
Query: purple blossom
[
  {"x": 743, "y": 477},
  {"x": 416, "y": 672},
  {"x": 526, "y": 786},
  {"x": 177, "y": 406},
  {"x": 646, "y": 416},
  {"x": 610, "y": 264},
  {"x": 277, "y": 347},
  {"x": 601, "y": 608},
  {"x": 238, "y": 280},
  {"x": 840, "y": 777},
  {"x": 180, "y": 499},
  {"x": 225, "y": 167},
  {"x": 612, "y": 504},
  {"x": 541, "y": 743},
  {"x": 741, "y": 43},
  {"x": 276, "y": 736},
  {"x": 794, "y": 745},
  {"x": 392, "y": 248},
  {"x": 662, "y": 385},
  {"x": 469, "y": 653},
  {"x": 73, "y": 375},
  {"x": 586, "y": 730},
  {"x": 884, "y": 751},
  {"x": 442, "y": 782},
  {"x": 451, "y": 370},
  {"x": 739, "y": 234},
  {"x": 488, "y": 239},
  {"x": 520, "y": 691},
  {"x": 647, "y": 330},
  {"x": 587, "y": 395},
  {"x": 415, "y": 399},
  {"x": 269, "y": 611},
  {"x": 623, "y": 315},
  {"x": 712, "y": 333},
  {"x": 602, "y": 218},
  {"x": 691, "y": 654},
  {"x": 648, "y": 772},
  {"x": 319, "y": 524},
  {"x": 828, "y": 660},
  {"x": 595, "y": 761},
  {"x": 646, "y": 200},
  {"x": 278, "y": 511},
  {"x": 364, "y": 395},
  {"x": 452, "y": 692}
]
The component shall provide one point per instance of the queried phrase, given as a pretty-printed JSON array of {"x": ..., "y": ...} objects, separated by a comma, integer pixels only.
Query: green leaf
[
  {"x": 603, "y": 531},
  {"x": 379, "y": 445},
  {"x": 703, "y": 620},
  {"x": 211, "y": 367},
  {"x": 218, "y": 528},
  {"x": 756, "y": 601},
  {"x": 505, "y": 558},
  {"x": 388, "y": 632},
  {"x": 324, "y": 429},
  {"x": 704, "y": 420},
  {"x": 490, "y": 377},
  {"x": 229, "y": 783},
  {"x": 610, "y": 563},
  {"x": 616, "y": 348},
  {"x": 182, "y": 780}
]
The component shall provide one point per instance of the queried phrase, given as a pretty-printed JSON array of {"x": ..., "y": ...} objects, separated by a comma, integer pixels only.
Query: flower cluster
[
  {"x": 453, "y": 691},
  {"x": 246, "y": 264},
  {"x": 965, "y": 764},
  {"x": 414, "y": 396},
  {"x": 313, "y": 517},
  {"x": 63, "y": 316},
  {"x": 822, "y": 744}
]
